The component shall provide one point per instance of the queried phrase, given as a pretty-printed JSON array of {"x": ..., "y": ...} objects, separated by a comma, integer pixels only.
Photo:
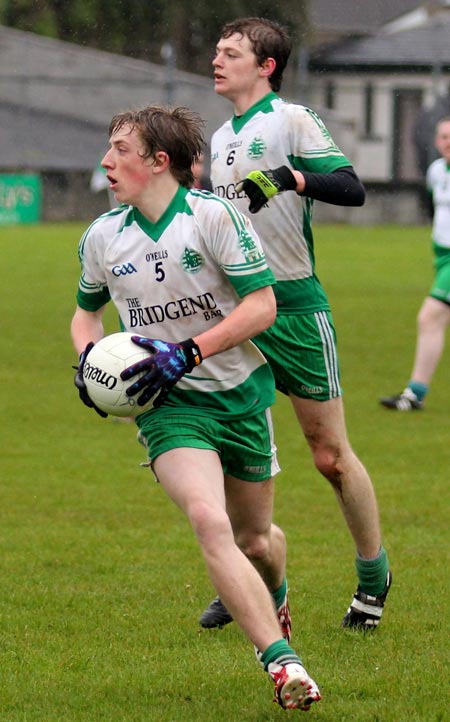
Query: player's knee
[
  {"x": 208, "y": 522},
  {"x": 329, "y": 463},
  {"x": 256, "y": 547},
  {"x": 432, "y": 315}
]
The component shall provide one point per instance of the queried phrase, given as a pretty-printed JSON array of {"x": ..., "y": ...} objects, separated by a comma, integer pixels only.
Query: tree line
[{"x": 182, "y": 32}]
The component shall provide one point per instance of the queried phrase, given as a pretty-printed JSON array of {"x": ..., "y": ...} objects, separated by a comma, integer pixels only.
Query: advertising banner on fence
[{"x": 20, "y": 198}]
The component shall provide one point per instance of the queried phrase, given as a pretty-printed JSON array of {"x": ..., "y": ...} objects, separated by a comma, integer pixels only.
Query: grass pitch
[{"x": 101, "y": 580}]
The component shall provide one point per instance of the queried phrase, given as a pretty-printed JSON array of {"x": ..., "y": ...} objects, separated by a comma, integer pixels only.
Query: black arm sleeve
[
  {"x": 341, "y": 188},
  {"x": 429, "y": 205}
]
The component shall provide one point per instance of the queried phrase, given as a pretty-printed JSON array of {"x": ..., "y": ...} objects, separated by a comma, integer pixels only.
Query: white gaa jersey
[
  {"x": 438, "y": 183},
  {"x": 177, "y": 278},
  {"x": 270, "y": 134}
]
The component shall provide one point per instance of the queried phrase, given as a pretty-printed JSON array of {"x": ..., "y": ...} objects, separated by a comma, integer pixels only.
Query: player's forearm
[
  {"x": 341, "y": 188},
  {"x": 255, "y": 313},
  {"x": 86, "y": 326}
]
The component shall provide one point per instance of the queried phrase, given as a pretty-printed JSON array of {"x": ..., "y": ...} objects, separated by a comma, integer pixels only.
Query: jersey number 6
[{"x": 230, "y": 159}]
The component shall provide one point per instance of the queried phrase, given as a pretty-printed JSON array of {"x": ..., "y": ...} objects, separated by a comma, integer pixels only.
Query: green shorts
[
  {"x": 441, "y": 284},
  {"x": 301, "y": 351},
  {"x": 246, "y": 446}
]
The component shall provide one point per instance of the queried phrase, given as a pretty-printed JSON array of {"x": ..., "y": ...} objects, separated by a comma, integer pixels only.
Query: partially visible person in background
[
  {"x": 201, "y": 179},
  {"x": 434, "y": 315},
  {"x": 425, "y": 129},
  {"x": 99, "y": 182}
]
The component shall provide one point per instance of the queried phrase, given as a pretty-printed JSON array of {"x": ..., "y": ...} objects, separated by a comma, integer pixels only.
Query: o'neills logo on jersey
[
  {"x": 99, "y": 376},
  {"x": 181, "y": 308}
]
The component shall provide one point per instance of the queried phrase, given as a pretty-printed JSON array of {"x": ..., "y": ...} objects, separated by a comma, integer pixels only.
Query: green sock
[
  {"x": 280, "y": 593},
  {"x": 279, "y": 652},
  {"x": 420, "y": 390},
  {"x": 372, "y": 573}
]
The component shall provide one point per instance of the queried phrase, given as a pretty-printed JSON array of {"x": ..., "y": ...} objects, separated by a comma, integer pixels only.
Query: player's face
[
  {"x": 197, "y": 170},
  {"x": 236, "y": 70},
  {"x": 442, "y": 140},
  {"x": 128, "y": 173}
]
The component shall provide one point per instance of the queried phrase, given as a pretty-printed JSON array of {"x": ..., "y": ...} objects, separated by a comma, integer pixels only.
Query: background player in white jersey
[
  {"x": 267, "y": 147},
  {"x": 434, "y": 315},
  {"x": 182, "y": 263}
]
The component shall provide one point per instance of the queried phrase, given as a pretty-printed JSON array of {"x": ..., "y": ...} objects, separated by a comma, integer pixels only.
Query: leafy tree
[{"x": 140, "y": 28}]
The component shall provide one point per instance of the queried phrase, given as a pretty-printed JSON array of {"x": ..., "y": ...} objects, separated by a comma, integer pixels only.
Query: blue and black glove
[
  {"x": 81, "y": 386},
  {"x": 165, "y": 366},
  {"x": 261, "y": 185}
]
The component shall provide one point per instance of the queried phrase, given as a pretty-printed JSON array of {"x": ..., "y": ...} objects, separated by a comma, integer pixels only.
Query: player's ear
[
  {"x": 161, "y": 161},
  {"x": 267, "y": 67}
]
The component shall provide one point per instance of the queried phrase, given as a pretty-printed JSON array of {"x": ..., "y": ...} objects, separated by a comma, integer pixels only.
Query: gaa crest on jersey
[
  {"x": 256, "y": 148},
  {"x": 249, "y": 247},
  {"x": 191, "y": 260}
]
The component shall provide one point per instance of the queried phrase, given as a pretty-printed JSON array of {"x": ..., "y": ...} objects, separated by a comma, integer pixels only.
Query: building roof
[
  {"x": 348, "y": 17},
  {"x": 46, "y": 83},
  {"x": 419, "y": 48},
  {"x": 40, "y": 140}
]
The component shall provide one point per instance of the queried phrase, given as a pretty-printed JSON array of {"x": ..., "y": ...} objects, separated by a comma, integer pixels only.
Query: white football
[{"x": 102, "y": 368}]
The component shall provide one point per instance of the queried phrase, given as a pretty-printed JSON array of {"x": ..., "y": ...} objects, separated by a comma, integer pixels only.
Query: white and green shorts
[
  {"x": 440, "y": 289},
  {"x": 245, "y": 446},
  {"x": 301, "y": 351}
]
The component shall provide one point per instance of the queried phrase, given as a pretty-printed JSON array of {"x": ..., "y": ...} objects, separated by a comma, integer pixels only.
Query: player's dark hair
[
  {"x": 176, "y": 131},
  {"x": 268, "y": 40}
]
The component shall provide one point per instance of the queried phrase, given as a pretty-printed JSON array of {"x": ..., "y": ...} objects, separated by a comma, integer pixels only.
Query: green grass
[{"x": 101, "y": 580}]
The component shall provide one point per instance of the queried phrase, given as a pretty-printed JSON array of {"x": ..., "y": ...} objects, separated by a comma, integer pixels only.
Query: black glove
[
  {"x": 261, "y": 185},
  {"x": 81, "y": 386},
  {"x": 164, "y": 368}
]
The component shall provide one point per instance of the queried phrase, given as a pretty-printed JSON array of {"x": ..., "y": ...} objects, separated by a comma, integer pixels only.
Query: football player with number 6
[{"x": 274, "y": 159}]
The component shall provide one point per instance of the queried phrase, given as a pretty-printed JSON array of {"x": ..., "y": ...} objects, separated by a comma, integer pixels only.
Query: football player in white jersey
[
  {"x": 180, "y": 263},
  {"x": 280, "y": 157},
  {"x": 434, "y": 316}
]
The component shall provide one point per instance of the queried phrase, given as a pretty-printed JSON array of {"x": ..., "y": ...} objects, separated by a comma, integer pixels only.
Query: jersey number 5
[{"x": 159, "y": 272}]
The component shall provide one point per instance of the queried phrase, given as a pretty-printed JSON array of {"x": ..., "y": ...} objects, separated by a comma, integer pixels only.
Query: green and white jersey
[
  {"x": 270, "y": 134},
  {"x": 438, "y": 184},
  {"x": 177, "y": 278}
]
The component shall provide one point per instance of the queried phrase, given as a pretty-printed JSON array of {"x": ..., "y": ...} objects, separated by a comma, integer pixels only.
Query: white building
[{"x": 393, "y": 85}]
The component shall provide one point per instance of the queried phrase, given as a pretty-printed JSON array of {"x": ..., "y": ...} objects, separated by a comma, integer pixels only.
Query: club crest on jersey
[
  {"x": 256, "y": 148},
  {"x": 191, "y": 260},
  {"x": 249, "y": 247},
  {"x": 326, "y": 133}
]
